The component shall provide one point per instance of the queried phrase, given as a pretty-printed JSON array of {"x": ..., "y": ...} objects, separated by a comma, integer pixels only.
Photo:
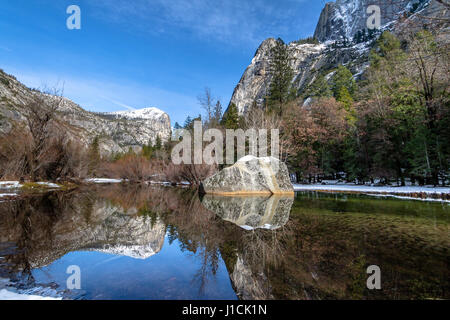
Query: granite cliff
[
  {"x": 341, "y": 37},
  {"x": 116, "y": 131}
]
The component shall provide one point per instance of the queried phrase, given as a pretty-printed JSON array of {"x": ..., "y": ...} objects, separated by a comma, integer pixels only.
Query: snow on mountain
[
  {"x": 344, "y": 18},
  {"x": 141, "y": 252},
  {"x": 116, "y": 131},
  {"x": 339, "y": 23},
  {"x": 146, "y": 113},
  {"x": 308, "y": 60}
]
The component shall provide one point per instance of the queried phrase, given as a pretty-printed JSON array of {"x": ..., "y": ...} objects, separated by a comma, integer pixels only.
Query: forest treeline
[{"x": 394, "y": 125}]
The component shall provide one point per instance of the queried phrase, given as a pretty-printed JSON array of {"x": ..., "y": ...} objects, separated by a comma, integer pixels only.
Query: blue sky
[{"x": 142, "y": 53}]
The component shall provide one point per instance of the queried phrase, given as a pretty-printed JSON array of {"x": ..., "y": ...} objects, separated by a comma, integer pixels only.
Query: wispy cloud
[
  {"x": 120, "y": 104},
  {"x": 234, "y": 22}
]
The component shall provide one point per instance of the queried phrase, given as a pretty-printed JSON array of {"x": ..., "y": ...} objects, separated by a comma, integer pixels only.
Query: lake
[{"x": 154, "y": 242}]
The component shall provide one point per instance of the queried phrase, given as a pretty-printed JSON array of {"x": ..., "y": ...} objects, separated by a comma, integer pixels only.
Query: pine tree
[
  {"x": 230, "y": 119},
  {"x": 320, "y": 88},
  {"x": 187, "y": 122},
  {"x": 282, "y": 74},
  {"x": 158, "y": 143},
  {"x": 345, "y": 98},
  {"x": 342, "y": 78},
  {"x": 147, "y": 150},
  {"x": 94, "y": 154},
  {"x": 217, "y": 114}
]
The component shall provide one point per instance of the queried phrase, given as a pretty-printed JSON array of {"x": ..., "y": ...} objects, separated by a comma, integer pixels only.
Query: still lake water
[{"x": 135, "y": 242}]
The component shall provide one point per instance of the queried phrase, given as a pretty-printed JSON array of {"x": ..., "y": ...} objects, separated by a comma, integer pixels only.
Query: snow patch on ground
[
  {"x": 383, "y": 189},
  {"x": 9, "y": 295},
  {"x": 10, "y": 185},
  {"x": 17, "y": 185},
  {"x": 407, "y": 198},
  {"x": 48, "y": 184},
  {"x": 104, "y": 180},
  {"x": 265, "y": 226},
  {"x": 8, "y": 194}
]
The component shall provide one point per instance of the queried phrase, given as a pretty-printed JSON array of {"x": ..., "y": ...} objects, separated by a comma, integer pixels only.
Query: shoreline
[
  {"x": 8, "y": 189},
  {"x": 425, "y": 193}
]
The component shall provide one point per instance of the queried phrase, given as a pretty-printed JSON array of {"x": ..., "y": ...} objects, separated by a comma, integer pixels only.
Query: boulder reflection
[{"x": 251, "y": 212}]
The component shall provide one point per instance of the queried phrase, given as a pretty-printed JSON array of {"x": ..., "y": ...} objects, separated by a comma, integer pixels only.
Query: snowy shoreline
[
  {"x": 428, "y": 193},
  {"x": 10, "y": 295}
]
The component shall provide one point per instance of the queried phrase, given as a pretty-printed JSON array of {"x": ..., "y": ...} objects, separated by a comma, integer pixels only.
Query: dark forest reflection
[{"x": 313, "y": 248}]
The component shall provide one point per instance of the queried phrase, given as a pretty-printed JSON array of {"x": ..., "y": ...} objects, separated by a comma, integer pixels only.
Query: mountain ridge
[{"x": 117, "y": 132}]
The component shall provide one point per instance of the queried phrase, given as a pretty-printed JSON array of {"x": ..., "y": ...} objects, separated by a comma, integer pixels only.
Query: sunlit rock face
[
  {"x": 344, "y": 18},
  {"x": 251, "y": 212},
  {"x": 251, "y": 175},
  {"x": 116, "y": 131},
  {"x": 254, "y": 84}
]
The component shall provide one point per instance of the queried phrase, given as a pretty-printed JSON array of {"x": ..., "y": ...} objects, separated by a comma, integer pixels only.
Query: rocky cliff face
[
  {"x": 83, "y": 224},
  {"x": 338, "y": 21},
  {"x": 307, "y": 60},
  {"x": 116, "y": 131},
  {"x": 344, "y": 18},
  {"x": 254, "y": 84}
]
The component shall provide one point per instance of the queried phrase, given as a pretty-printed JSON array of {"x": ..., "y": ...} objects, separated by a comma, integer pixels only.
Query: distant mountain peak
[
  {"x": 118, "y": 130},
  {"x": 145, "y": 113}
]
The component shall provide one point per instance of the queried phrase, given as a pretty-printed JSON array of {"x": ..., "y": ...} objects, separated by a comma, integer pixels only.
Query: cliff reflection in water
[
  {"x": 310, "y": 248},
  {"x": 44, "y": 228}
]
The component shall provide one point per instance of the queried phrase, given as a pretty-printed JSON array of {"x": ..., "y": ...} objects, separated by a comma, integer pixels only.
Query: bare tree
[
  {"x": 40, "y": 118},
  {"x": 212, "y": 107},
  {"x": 207, "y": 102}
]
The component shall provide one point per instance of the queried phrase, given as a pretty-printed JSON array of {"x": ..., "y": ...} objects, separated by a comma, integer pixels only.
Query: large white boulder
[{"x": 251, "y": 175}]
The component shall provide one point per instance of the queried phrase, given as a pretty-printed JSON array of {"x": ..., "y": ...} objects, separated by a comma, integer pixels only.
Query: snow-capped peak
[
  {"x": 146, "y": 113},
  {"x": 133, "y": 251}
]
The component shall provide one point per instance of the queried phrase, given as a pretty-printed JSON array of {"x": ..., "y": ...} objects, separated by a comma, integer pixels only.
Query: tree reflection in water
[{"x": 303, "y": 252}]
